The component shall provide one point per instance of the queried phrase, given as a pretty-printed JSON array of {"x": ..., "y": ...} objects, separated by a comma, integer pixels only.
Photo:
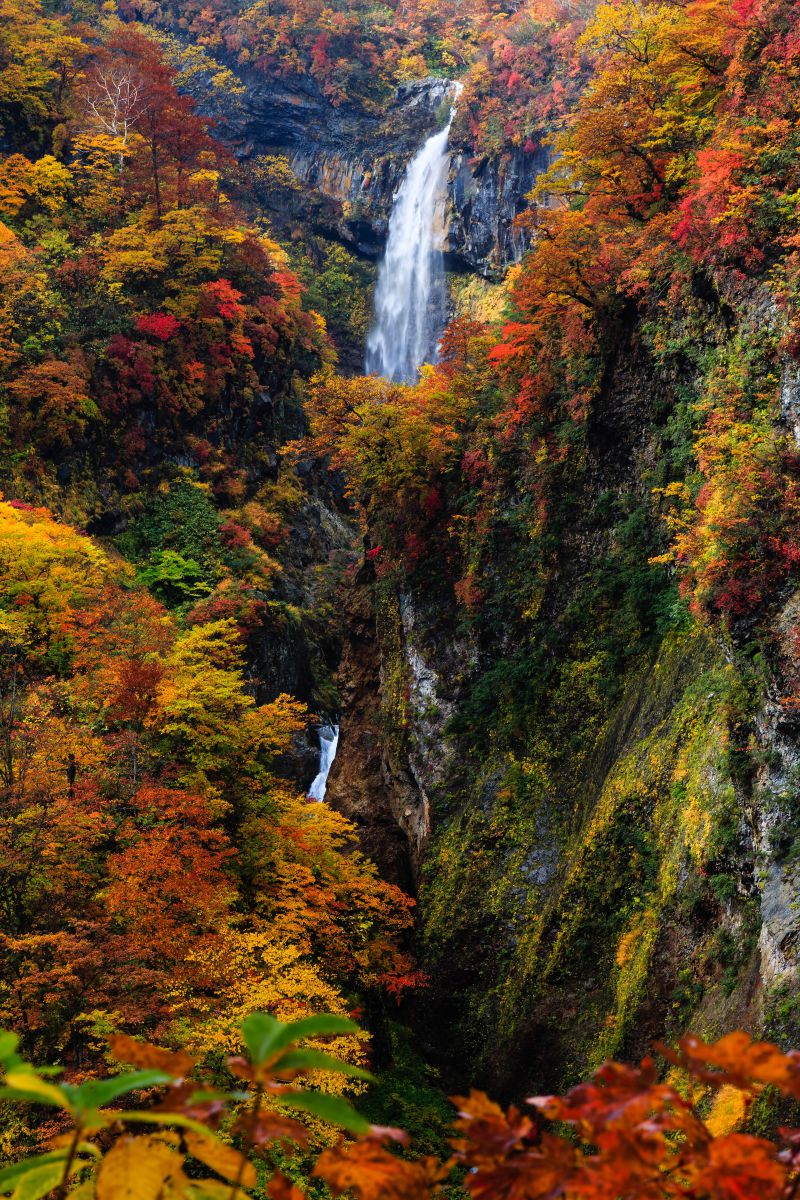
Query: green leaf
[
  {"x": 264, "y": 1036},
  {"x": 207, "y": 1189},
  {"x": 297, "y": 1060},
  {"x": 11, "y": 1175},
  {"x": 260, "y": 1032},
  {"x": 8, "y": 1047},
  {"x": 333, "y": 1109},
  {"x": 324, "y": 1025},
  {"x": 38, "y": 1182},
  {"x": 94, "y": 1093}
]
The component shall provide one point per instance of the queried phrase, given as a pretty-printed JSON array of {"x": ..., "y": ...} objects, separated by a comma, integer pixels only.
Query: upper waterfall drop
[
  {"x": 328, "y": 744},
  {"x": 410, "y": 298}
]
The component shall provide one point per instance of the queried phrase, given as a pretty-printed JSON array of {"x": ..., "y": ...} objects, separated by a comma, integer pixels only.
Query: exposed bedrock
[{"x": 350, "y": 161}]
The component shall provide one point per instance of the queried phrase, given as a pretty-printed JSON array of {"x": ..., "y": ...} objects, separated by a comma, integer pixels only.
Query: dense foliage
[
  {"x": 628, "y": 1134},
  {"x": 585, "y": 490},
  {"x": 136, "y": 295},
  {"x": 159, "y": 871},
  {"x": 152, "y": 860},
  {"x": 356, "y": 53}
]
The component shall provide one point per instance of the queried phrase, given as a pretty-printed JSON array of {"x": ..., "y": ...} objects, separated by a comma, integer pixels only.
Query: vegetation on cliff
[
  {"x": 592, "y": 500},
  {"x": 596, "y": 498}
]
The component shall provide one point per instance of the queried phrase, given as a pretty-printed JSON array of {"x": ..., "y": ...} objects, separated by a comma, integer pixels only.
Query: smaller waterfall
[
  {"x": 328, "y": 744},
  {"x": 410, "y": 298}
]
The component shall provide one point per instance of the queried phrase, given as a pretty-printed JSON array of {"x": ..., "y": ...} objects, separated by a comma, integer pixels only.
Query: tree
[
  {"x": 39, "y": 54},
  {"x": 112, "y": 100},
  {"x": 53, "y": 402},
  {"x": 132, "y": 89},
  {"x": 133, "y": 761}
]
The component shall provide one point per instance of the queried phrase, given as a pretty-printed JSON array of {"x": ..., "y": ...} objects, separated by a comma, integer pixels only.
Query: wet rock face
[
  {"x": 778, "y": 726},
  {"x": 485, "y": 198},
  {"x": 387, "y": 779},
  {"x": 292, "y": 116},
  {"x": 351, "y": 162},
  {"x": 363, "y": 782},
  {"x": 778, "y": 871}
]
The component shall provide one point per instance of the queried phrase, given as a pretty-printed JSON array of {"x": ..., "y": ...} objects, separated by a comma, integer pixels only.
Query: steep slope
[
  {"x": 583, "y": 548},
  {"x": 557, "y": 576},
  {"x": 562, "y": 762}
]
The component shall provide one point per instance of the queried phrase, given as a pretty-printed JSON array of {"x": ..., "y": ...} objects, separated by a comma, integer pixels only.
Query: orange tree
[{"x": 150, "y": 853}]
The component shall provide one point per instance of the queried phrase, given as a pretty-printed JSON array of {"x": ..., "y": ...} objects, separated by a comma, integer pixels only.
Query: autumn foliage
[
  {"x": 137, "y": 296},
  {"x": 669, "y": 197},
  {"x": 161, "y": 877},
  {"x": 669, "y": 183},
  {"x": 152, "y": 858},
  {"x": 627, "y": 1133},
  {"x": 160, "y": 872}
]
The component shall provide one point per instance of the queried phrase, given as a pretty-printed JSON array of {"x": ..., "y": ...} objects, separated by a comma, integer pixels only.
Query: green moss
[
  {"x": 782, "y": 1013},
  {"x": 576, "y": 873},
  {"x": 408, "y": 1094},
  {"x": 771, "y": 1110},
  {"x": 394, "y": 668}
]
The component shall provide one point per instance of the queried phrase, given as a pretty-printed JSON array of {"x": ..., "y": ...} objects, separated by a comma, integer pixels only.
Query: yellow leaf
[
  {"x": 137, "y": 1168},
  {"x": 728, "y": 1111},
  {"x": 28, "y": 1082},
  {"x": 221, "y": 1158}
]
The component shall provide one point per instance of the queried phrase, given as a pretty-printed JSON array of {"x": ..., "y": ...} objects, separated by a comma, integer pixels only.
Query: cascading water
[
  {"x": 328, "y": 744},
  {"x": 410, "y": 299}
]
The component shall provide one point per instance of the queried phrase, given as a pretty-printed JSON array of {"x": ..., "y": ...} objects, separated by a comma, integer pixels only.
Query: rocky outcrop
[
  {"x": 364, "y": 783},
  {"x": 399, "y": 690},
  {"x": 486, "y": 196},
  {"x": 350, "y": 162},
  {"x": 776, "y": 813}
]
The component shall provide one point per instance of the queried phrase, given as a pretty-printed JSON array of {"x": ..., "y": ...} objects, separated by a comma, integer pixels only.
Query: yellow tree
[{"x": 39, "y": 54}]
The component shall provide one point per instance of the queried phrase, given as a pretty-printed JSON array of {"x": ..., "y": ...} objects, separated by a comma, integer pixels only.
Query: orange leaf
[
  {"x": 225, "y": 1160},
  {"x": 143, "y": 1054},
  {"x": 372, "y": 1173}
]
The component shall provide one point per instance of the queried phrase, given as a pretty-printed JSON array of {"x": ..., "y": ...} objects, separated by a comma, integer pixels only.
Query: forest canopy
[{"x": 588, "y": 505}]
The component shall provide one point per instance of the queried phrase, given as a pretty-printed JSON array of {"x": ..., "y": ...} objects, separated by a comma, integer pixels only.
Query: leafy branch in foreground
[
  {"x": 630, "y": 1133},
  {"x": 181, "y": 1122}
]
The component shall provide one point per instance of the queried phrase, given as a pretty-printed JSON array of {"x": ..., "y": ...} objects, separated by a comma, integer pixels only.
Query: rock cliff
[
  {"x": 618, "y": 863},
  {"x": 350, "y": 161}
]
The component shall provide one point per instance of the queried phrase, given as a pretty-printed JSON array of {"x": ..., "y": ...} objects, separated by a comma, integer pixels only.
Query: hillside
[{"x": 519, "y": 596}]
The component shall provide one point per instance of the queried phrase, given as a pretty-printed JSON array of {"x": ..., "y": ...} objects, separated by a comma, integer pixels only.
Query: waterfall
[
  {"x": 328, "y": 743},
  {"x": 410, "y": 298}
]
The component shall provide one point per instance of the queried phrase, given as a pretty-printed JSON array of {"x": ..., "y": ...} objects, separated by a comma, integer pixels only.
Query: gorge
[{"x": 465, "y": 698}]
